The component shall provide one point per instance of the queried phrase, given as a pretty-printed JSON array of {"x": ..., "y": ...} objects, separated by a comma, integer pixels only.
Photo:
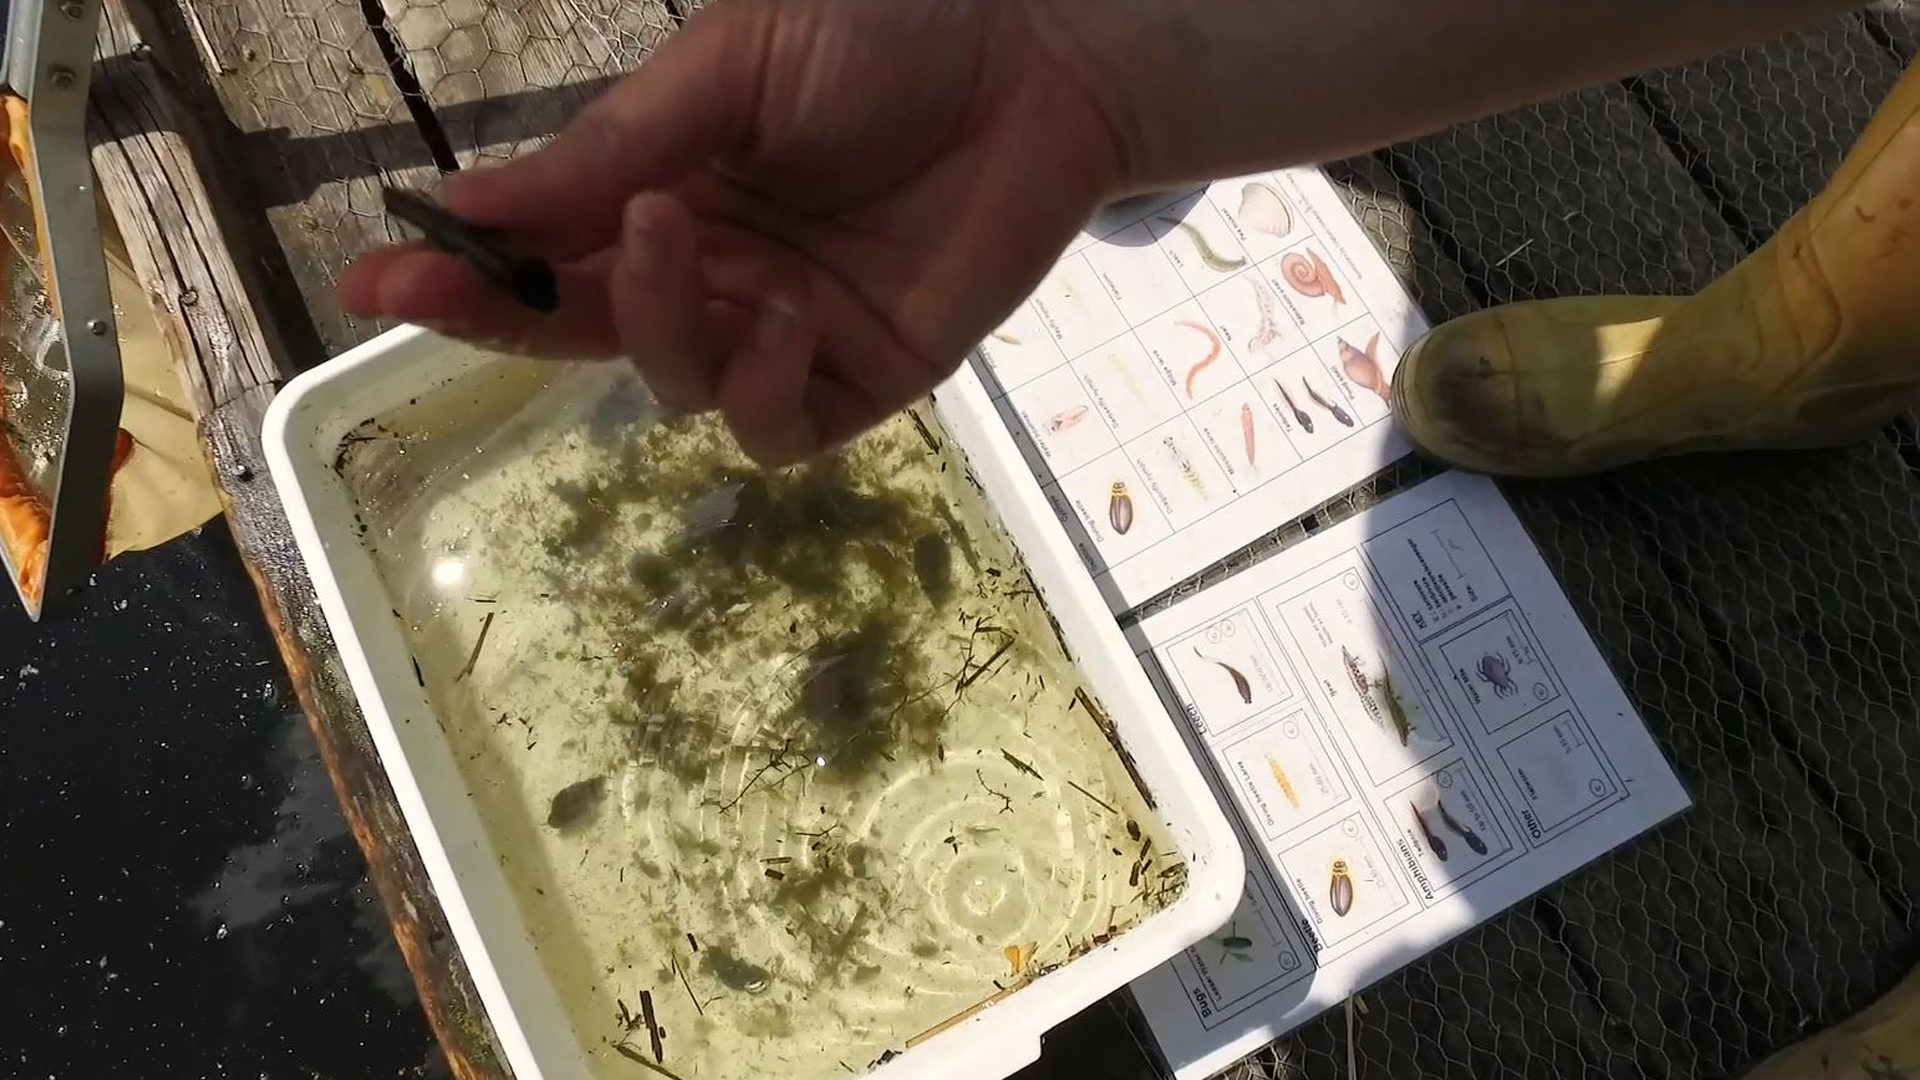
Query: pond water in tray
[{"x": 786, "y": 769}]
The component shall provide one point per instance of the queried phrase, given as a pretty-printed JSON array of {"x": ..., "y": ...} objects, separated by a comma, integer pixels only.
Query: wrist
[{"x": 1114, "y": 53}]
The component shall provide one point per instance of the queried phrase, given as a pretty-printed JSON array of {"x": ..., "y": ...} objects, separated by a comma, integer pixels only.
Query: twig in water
[
  {"x": 1104, "y": 804},
  {"x": 627, "y": 1051},
  {"x": 480, "y": 642},
  {"x": 1006, "y": 804},
  {"x": 653, "y": 1029},
  {"x": 682, "y": 972},
  {"x": 976, "y": 674},
  {"x": 1023, "y": 766},
  {"x": 779, "y": 757}
]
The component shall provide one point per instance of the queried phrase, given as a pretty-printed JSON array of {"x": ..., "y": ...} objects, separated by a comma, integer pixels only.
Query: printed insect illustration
[
  {"x": 1472, "y": 838},
  {"x": 1246, "y": 430},
  {"x": 1002, "y": 335},
  {"x": 1066, "y": 418},
  {"x": 1240, "y": 684},
  {"x": 1308, "y": 275},
  {"x": 1396, "y": 709},
  {"x": 1264, "y": 209},
  {"x": 1286, "y": 783},
  {"x": 1494, "y": 671},
  {"x": 1333, "y": 410},
  {"x": 1213, "y": 352},
  {"x": 1299, "y": 414},
  {"x": 1340, "y": 887},
  {"x": 1268, "y": 331},
  {"x": 1181, "y": 462},
  {"x": 1434, "y": 843},
  {"x": 1363, "y": 367},
  {"x": 1235, "y": 945},
  {"x": 1215, "y": 261},
  {"x": 1396, "y": 718},
  {"x": 1119, "y": 507}
]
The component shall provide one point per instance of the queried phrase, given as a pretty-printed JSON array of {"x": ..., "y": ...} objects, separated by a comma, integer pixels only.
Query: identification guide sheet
[
  {"x": 1416, "y": 733},
  {"x": 1408, "y": 724},
  {"x": 1199, "y": 367}
]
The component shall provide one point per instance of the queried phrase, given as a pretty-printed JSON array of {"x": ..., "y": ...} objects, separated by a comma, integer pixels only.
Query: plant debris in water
[{"x": 804, "y": 771}]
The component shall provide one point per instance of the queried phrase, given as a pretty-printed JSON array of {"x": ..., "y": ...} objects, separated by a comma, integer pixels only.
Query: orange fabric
[{"x": 25, "y": 517}]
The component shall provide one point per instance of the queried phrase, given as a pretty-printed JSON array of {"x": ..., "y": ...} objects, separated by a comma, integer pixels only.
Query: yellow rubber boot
[
  {"x": 1881, "y": 1043},
  {"x": 1813, "y": 340}
]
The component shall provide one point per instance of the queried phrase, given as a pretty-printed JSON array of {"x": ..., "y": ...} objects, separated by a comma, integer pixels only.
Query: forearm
[{"x": 1198, "y": 89}]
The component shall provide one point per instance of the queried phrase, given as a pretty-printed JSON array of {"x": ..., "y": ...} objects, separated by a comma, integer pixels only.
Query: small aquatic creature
[
  {"x": 1240, "y": 683},
  {"x": 1472, "y": 838},
  {"x": 1269, "y": 329},
  {"x": 1300, "y": 415},
  {"x": 1265, "y": 209},
  {"x": 1433, "y": 842},
  {"x": 1336, "y": 411},
  {"x": 1213, "y": 352},
  {"x": 577, "y": 803},
  {"x": 1493, "y": 670},
  {"x": 1119, "y": 507},
  {"x": 1396, "y": 710},
  {"x": 1214, "y": 260},
  {"x": 1363, "y": 367},
  {"x": 1286, "y": 783},
  {"x": 1066, "y": 418},
  {"x": 1340, "y": 888},
  {"x": 933, "y": 566},
  {"x": 1246, "y": 429},
  {"x": 735, "y": 973},
  {"x": 1308, "y": 275}
]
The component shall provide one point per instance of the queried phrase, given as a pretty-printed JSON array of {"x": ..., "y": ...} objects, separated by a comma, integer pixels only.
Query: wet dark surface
[{"x": 179, "y": 895}]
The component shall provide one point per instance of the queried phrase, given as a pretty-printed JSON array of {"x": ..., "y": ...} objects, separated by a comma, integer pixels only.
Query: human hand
[{"x": 802, "y": 213}]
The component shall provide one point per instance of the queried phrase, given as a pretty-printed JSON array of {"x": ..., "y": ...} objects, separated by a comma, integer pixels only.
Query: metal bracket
[{"x": 48, "y": 61}]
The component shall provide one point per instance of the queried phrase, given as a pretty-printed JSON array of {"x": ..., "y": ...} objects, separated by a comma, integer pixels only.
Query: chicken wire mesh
[{"x": 1761, "y": 611}]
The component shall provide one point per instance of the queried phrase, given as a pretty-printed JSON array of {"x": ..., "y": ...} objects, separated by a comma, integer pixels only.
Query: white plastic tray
[{"x": 303, "y": 430}]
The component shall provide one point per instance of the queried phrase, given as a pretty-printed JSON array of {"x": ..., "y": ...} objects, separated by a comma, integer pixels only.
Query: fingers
[
  {"x": 419, "y": 285},
  {"x": 763, "y": 392},
  {"x": 691, "y": 100},
  {"x": 658, "y": 301}
]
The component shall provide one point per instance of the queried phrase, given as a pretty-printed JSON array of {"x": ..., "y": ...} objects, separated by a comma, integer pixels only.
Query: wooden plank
[
  {"x": 1763, "y": 129},
  {"x": 307, "y": 79},
  {"x": 260, "y": 531},
  {"x": 539, "y": 60},
  {"x": 1896, "y": 25},
  {"x": 1572, "y": 196},
  {"x": 141, "y": 123},
  {"x": 1702, "y": 939},
  {"x": 1812, "y": 561},
  {"x": 1747, "y": 922},
  {"x": 149, "y": 144},
  {"x": 1504, "y": 1002}
]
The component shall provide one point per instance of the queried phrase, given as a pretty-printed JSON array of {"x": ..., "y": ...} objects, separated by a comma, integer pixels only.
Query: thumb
[{"x": 690, "y": 101}]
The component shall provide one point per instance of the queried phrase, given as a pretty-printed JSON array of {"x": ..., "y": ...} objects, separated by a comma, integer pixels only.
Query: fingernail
[{"x": 778, "y": 326}]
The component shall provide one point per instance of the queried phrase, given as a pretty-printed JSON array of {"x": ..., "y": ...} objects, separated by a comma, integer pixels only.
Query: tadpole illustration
[
  {"x": 1433, "y": 842},
  {"x": 1472, "y": 838}
]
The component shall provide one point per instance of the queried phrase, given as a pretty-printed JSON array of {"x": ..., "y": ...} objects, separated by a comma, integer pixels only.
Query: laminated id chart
[
  {"x": 1199, "y": 367},
  {"x": 1416, "y": 732}
]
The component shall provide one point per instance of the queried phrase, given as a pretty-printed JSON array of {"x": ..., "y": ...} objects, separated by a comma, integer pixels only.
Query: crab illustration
[{"x": 1493, "y": 670}]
